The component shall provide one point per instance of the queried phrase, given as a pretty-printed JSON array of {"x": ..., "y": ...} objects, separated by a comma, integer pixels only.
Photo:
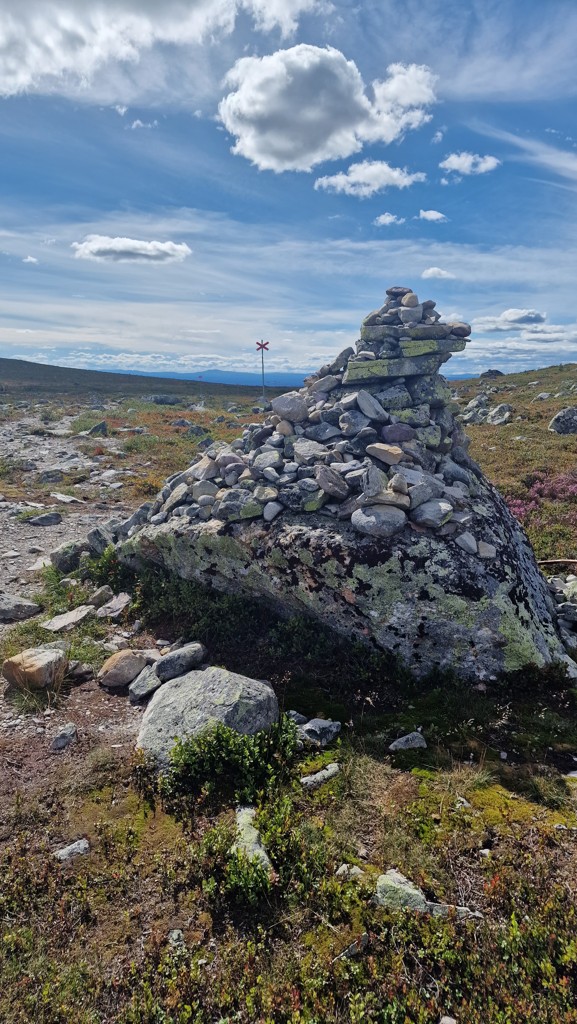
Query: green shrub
[{"x": 221, "y": 765}]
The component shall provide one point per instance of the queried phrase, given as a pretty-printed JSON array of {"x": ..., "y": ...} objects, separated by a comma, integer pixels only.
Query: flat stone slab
[
  {"x": 381, "y": 369},
  {"x": 68, "y": 620}
]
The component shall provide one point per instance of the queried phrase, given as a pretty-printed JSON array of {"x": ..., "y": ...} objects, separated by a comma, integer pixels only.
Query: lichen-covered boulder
[
  {"x": 191, "y": 703},
  {"x": 355, "y": 501}
]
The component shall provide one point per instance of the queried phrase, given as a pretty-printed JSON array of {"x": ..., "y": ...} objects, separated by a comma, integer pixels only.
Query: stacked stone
[
  {"x": 564, "y": 591},
  {"x": 371, "y": 439}
]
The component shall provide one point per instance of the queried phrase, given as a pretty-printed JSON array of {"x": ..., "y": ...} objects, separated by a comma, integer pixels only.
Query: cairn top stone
[{"x": 355, "y": 501}]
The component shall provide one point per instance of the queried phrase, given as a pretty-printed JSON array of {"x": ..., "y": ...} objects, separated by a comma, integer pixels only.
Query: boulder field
[{"x": 355, "y": 501}]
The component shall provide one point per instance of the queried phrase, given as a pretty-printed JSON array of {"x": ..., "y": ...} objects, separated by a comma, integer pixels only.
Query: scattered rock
[
  {"x": 15, "y": 609},
  {"x": 145, "y": 684},
  {"x": 121, "y": 669},
  {"x": 412, "y": 741},
  {"x": 99, "y": 429},
  {"x": 46, "y": 519},
  {"x": 319, "y": 732},
  {"x": 38, "y": 668},
  {"x": 64, "y": 737},
  {"x": 565, "y": 421},
  {"x": 113, "y": 609},
  {"x": 187, "y": 705},
  {"x": 81, "y": 846},
  {"x": 68, "y": 620},
  {"x": 324, "y": 775},
  {"x": 248, "y": 841},
  {"x": 101, "y": 597},
  {"x": 396, "y": 892},
  {"x": 180, "y": 661}
]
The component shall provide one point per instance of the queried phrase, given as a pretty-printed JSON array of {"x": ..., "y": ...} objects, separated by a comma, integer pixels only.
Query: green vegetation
[{"x": 163, "y": 922}]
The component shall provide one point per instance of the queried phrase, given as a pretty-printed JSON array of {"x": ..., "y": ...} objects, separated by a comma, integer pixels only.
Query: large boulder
[
  {"x": 185, "y": 706},
  {"x": 386, "y": 531},
  {"x": 565, "y": 422}
]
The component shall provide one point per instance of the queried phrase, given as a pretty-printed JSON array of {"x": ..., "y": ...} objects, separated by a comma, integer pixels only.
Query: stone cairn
[
  {"x": 370, "y": 438},
  {"x": 354, "y": 501}
]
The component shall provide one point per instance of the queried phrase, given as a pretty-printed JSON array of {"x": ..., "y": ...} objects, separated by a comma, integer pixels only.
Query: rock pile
[{"x": 355, "y": 501}]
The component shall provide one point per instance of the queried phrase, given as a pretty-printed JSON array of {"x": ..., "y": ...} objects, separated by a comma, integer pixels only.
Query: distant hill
[
  {"x": 19, "y": 375},
  {"x": 274, "y": 379}
]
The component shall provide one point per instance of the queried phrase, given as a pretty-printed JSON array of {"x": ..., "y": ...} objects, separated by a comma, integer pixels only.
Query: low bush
[{"x": 221, "y": 766}]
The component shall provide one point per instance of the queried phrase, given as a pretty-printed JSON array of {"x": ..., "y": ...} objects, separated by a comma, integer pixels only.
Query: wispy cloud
[{"x": 562, "y": 162}]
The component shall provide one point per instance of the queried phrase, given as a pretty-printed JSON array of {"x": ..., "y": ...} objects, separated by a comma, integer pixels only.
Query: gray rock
[
  {"x": 180, "y": 661},
  {"x": 565, "y": 421},
  {"x": 99, "y": 429},
  {"x": 467, "y": 542},
  {"x": 433, "y": 513},
  {"x": 412, "y": 741},
  {"x": 189, "y": 704},
  {"x": 351, "y": 423},
  {"x": 372, "y": 408},
  {"x": 500, "y": 415},
  {"x": 113, "y": 609},
  {"x": 306, "y": 452},
  {"x": 395, "y": 432},
  {"x": 379, "y": 520},
  {"x": 324, "y": 775},
  {"x": 291, "y": 406},
  {"x": 68, "y": 620},
  {"x": 237, "y": 504},
  {"x": 248, "y": 840},
  {"x": 145, "y": 684},
  {"x": 271, "y": 511},
  {"x": 331, "y": 483},
  {"x": 46, "y": 519},
  {"x": 396, "y": 892},
  {"x": 64, "y": 737},
  {"x": 319, "y": 732},
  {"x": 81, "y": 846},
  {"x": 322, "y": 432},
  {"x": 15, "y": 609},
  {"x": 101, "y": 596}
]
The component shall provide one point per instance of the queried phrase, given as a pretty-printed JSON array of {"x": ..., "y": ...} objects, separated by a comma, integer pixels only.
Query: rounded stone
[
  {"x": 410, "y": 300},
  {"x": 188, "y": 705},
  {"x": 379, "y": 521}
]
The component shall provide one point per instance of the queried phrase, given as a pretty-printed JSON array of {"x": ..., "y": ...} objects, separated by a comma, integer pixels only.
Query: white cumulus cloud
[
  {"x": 432, "y": 215},
  {"x": 54, "y": 47},
  {"x": 295, "y": 108},
  {"x": 30, "y": 259},
  {"x": 511, "y": 319},
  {"x": 385, "y": 219},
  {"x": 367, "y": 178},
  {"x": 436, "y": 272},
  {"x": 469, "y": 163},
  {"x": 129, "y": 250}
]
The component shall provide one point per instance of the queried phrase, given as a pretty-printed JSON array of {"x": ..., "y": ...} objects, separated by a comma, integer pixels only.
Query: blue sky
[{"x": 182, "y": 179}]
